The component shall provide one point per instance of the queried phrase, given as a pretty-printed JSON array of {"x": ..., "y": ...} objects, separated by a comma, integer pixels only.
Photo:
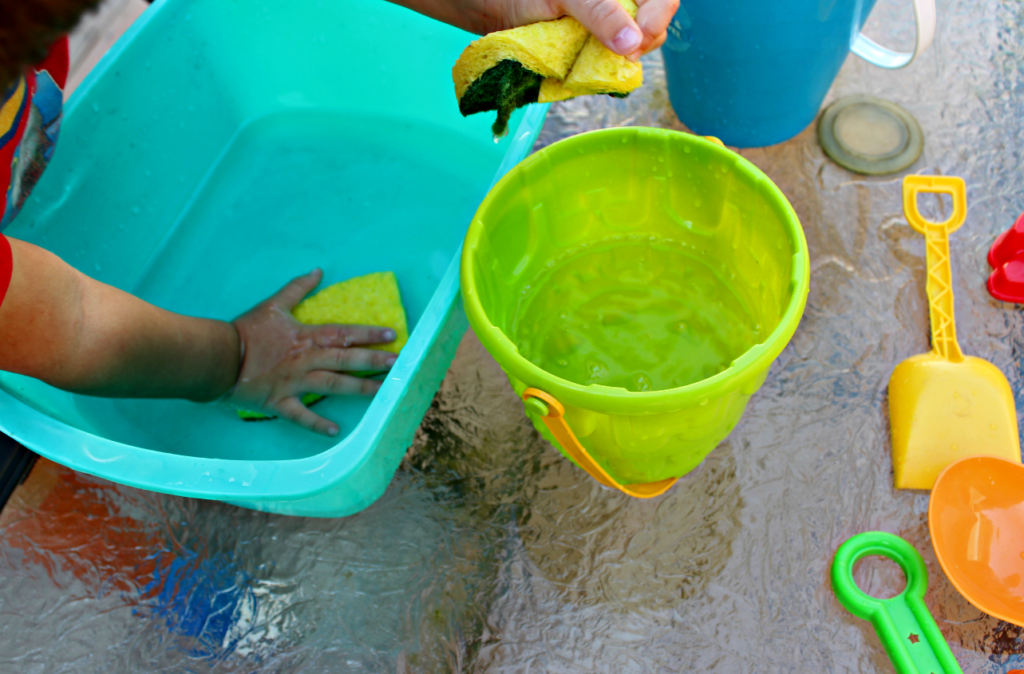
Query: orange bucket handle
[{"x": 553, "y": 415}]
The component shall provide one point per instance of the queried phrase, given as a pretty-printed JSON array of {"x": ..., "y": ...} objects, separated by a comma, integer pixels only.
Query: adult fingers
[
  {"x": 658, "y": 41},
  {"x": 653, "y": 18},
  {"x": 350, "y": 335},
  {"x": 296, "y": 289},
  {"x": 350, "y": 360},
  {"x": 293, "y": 410},
  {"x": 609, "y": 22},
  {"x": 333, "y": 384}
]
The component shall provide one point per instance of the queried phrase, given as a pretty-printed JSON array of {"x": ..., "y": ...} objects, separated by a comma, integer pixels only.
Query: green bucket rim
[{"x": 609, "y": 400}]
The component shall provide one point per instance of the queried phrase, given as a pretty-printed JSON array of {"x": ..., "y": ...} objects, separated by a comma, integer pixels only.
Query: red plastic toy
[{"x": 1006, "y": 257}]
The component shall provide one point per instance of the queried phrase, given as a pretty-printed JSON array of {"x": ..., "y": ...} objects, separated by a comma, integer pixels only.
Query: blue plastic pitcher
[{"x": 754, "y": 72}]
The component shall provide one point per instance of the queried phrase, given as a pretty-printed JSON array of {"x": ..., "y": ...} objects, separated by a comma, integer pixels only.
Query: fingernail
[
  {"x": 627, "y": 40},
  {"x": 332, "y": 431},
  {"x": 390, "y": 361},
  {"x": 389, "y": 335}
]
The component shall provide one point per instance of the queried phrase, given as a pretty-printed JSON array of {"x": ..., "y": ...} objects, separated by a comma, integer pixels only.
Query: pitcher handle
[
  {"x": 553, "y": 414},
  {"x": 874, "y": 53}
]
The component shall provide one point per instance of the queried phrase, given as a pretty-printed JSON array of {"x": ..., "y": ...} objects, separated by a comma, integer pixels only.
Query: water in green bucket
[
  {"x": 637, "y": 315},
  {"x": 635, "y": 284}
]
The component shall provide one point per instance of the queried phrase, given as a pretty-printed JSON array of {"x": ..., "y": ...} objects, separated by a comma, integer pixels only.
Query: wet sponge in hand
[
  {"x": 365, "y": 300},
  {"x": 541, "y": 62}
]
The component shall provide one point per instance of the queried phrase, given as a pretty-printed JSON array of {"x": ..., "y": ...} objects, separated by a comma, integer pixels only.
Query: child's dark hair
[{"x": 28, "y": 28}]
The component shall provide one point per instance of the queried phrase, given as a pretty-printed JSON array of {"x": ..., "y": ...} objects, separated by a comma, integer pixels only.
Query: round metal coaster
[{"x": 868, "y": 135}]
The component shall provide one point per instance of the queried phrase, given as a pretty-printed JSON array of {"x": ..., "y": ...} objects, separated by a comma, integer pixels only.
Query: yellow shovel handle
[
  {"x": 949, "y": 185},
  {"x": 936, "y": 237},
  {"x": 554, "y": 419}
]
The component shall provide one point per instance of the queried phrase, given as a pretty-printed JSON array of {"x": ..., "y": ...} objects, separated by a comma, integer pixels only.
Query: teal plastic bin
[{"x": 218, "y": 150}]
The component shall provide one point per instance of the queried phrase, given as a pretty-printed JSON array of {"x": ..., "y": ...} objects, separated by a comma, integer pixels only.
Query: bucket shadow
[{"x": 595, "y": 546}]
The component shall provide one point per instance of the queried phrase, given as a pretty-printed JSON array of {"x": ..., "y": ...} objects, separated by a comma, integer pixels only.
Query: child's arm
[
  {"x": 78, "y": 334},
  {"x": 606, "y": 19}
]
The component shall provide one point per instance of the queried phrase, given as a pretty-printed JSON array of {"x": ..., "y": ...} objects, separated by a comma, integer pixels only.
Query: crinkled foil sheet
[{"x": 491, "y": 553}]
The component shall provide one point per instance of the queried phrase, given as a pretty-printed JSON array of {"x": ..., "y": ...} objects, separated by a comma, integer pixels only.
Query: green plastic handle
[{"x": 906, "y": 628}]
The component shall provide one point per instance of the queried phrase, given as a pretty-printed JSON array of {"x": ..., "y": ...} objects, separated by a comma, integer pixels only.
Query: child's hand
[{"x": 283, "y": 359}]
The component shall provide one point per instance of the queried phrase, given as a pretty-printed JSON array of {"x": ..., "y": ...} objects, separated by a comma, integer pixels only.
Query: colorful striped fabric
[{"x": 30, "y": 114}]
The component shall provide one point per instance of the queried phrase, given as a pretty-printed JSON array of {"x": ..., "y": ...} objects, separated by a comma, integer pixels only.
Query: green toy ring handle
[{"x": 906, "y": 628}]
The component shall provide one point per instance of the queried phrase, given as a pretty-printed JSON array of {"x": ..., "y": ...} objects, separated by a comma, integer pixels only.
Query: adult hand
[
  {"x": 606, "y": 19},
  {"x": 283, "y": 359}
]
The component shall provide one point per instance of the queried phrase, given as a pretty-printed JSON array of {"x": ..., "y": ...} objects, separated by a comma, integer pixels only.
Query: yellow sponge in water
[{"x": 365, "y": 300}]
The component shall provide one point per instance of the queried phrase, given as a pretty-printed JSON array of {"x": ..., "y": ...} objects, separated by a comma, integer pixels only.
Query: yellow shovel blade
[{"x": 943, "y": 411}]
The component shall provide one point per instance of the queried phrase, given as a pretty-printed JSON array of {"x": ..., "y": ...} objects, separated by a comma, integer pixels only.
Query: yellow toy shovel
[{"x": 943, "y": 405}]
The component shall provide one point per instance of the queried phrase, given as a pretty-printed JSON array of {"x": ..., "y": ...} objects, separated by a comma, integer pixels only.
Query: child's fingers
[
  {"x": 351, "y": 335},
  {"x": 334, "y": 384},
  {"x": 609, "y": 22},
  {"x": 350, "y": 360},
  {"x": 293, "y": 410},
  {"x": 653, "y": 18},
  {"x": 297, "y": 289}
]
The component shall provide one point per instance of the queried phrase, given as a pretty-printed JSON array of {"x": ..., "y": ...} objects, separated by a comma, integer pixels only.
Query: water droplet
[
  {"x": 596, "y": 369},
  {"x": 641, "y": 381},
  {"x": 562, "y": 362}
]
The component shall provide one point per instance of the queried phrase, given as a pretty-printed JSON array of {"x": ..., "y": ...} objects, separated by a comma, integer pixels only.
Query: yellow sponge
[
  {"x": 547, "y": 48},
  {"x": 542, "y": 62},
  {"x": 597, "y": 70},
  {"x": 365, "y": 300}
]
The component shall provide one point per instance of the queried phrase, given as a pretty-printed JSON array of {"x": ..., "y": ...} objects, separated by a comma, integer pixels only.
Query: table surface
[{"x": 491, "y": 553}]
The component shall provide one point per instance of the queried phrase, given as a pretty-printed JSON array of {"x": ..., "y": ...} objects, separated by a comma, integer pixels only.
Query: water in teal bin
[
  {"x": 293, "y": 191},
  {"x": 638, "y": 315}
]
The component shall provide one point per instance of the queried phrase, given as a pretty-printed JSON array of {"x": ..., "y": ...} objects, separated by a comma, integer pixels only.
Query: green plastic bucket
[{"x": 574, "y": 237}]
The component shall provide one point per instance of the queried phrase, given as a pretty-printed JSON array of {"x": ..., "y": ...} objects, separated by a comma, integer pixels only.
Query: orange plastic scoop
[
  {"x": 976, "y": 518},
  {"x": 943, "y": 405}
]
